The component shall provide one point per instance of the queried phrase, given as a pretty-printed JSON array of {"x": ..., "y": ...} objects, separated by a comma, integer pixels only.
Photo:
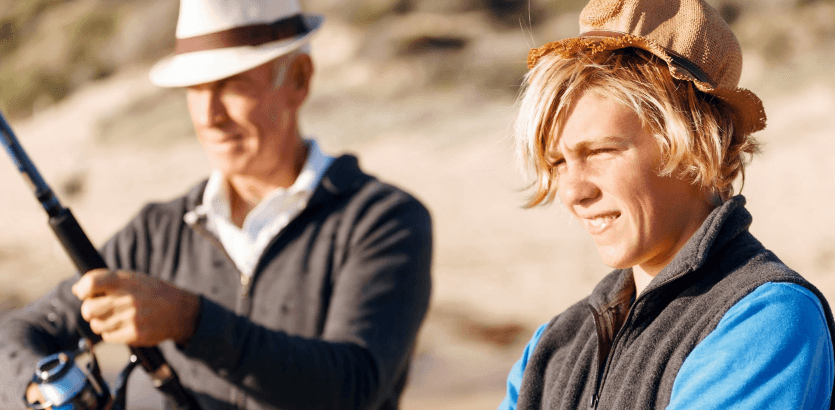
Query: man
[
  {"x": 290, "y": 279},
  {"x": 639, "y": 126}
]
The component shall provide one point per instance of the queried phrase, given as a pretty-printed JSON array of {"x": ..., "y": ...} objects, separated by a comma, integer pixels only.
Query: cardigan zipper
[{"x": 197, "y": 221}]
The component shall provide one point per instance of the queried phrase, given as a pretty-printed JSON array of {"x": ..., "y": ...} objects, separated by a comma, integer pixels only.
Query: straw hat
[
  {"x": 220, "y": 38},
  {"x": 688, "y": 34}
]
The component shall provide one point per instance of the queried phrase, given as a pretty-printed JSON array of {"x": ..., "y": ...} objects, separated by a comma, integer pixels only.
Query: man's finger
[
  {"x": 120, "y": 335},
  {"x": 34, "y": 395},
  {"x": 114, "y": 324},
  {"x": 97, "y": 308},
  {"x": 96, "y": 282},
  {"x": 104, "y": 326}
]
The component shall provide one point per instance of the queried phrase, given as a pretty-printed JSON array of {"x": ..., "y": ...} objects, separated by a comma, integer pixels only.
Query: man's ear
[{"x": 300, "y": 75}]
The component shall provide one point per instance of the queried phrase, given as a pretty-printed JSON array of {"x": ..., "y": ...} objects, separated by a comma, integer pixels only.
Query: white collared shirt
[{"x": 246, "y": 245}]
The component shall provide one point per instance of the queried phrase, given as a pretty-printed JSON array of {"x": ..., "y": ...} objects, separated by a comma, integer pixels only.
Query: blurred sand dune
[{"x": 499, "y": 270}]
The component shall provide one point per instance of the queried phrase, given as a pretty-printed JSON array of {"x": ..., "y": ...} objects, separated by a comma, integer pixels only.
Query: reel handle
[{"x": 61, "y": 383}]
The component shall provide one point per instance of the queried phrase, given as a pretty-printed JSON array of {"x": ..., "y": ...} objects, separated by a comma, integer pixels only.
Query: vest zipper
[
  {"x": 604, "y": 371},
  {"x": 603, "y": 363}
]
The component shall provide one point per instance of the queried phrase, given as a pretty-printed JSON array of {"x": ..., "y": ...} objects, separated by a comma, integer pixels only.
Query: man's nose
[
  {"x": 576, "y": 185},
  {"x": 211, "y": 111}
]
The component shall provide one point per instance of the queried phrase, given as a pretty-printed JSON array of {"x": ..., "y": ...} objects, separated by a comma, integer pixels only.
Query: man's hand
[
  {"x": 33, "y": 394},
  {"x": 135, "y": 309}
]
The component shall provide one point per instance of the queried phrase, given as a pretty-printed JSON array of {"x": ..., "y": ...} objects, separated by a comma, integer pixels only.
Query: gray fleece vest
[{"x": 599, "y": 354}]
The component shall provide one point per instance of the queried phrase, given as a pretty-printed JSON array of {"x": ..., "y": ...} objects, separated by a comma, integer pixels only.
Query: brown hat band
[
  {"x": 253, "y": 35},
  {"x": 677, "y": 59}
]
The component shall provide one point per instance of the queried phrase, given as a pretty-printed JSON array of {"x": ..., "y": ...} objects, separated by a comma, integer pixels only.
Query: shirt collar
[{"x": 216, "y": 195}]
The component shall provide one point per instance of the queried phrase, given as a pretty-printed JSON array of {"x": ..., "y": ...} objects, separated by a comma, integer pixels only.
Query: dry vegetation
[{"x": 48, "y": 48}]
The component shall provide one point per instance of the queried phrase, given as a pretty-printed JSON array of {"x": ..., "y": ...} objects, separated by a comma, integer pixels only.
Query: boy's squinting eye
[
  {"x": 554, "y": 161},
  {"x": 559, "y": 166},
  {"x": 602, "y": 151}
]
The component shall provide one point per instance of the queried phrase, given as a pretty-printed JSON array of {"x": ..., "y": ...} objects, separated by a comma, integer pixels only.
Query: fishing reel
[{"x": 72, "y": 380}]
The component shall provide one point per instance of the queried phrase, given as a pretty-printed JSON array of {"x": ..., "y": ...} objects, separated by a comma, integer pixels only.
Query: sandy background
[{"x": 433, "y": 117}]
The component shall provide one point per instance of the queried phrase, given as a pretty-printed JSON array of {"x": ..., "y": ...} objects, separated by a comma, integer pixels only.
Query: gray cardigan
[
  {"x": 614, "y": 351},
  {"x": 328, "y": 321}
]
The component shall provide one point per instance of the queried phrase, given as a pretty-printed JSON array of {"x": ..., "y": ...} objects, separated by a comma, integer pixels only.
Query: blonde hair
[{"x": 694, "y": 130}]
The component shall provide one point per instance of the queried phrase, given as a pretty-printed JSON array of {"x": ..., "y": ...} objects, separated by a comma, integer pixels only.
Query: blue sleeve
[
  {"x": 514, "y": 379},
  {"x": 771, "y": 350}
]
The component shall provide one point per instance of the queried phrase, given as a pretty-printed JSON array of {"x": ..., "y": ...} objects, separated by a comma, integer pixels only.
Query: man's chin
[{"x": 230, "y": 167}]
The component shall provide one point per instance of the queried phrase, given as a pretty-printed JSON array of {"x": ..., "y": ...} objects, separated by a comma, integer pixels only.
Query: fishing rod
[{"x": 58, "y": 369}]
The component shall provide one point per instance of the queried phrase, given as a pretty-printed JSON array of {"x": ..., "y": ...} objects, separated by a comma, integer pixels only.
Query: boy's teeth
[{"x": 601, "y": 220}]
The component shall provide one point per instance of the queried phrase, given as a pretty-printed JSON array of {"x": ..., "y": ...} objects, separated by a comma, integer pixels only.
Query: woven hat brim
[
  {"x": 748, "y": 108},
  {"x": 184, "y": 70}
]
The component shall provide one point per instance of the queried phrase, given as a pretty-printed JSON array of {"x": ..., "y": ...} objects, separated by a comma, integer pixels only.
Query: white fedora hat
[{"x": 220, "y": 38}]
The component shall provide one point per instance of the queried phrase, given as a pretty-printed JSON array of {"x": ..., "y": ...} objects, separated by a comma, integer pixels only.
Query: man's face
[
  {"x": 245, "y": 124},
  {"x": 607, "y": 170}
]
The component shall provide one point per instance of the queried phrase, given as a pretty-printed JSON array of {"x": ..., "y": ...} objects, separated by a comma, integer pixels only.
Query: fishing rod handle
[{"x": 81, "y": 251}]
